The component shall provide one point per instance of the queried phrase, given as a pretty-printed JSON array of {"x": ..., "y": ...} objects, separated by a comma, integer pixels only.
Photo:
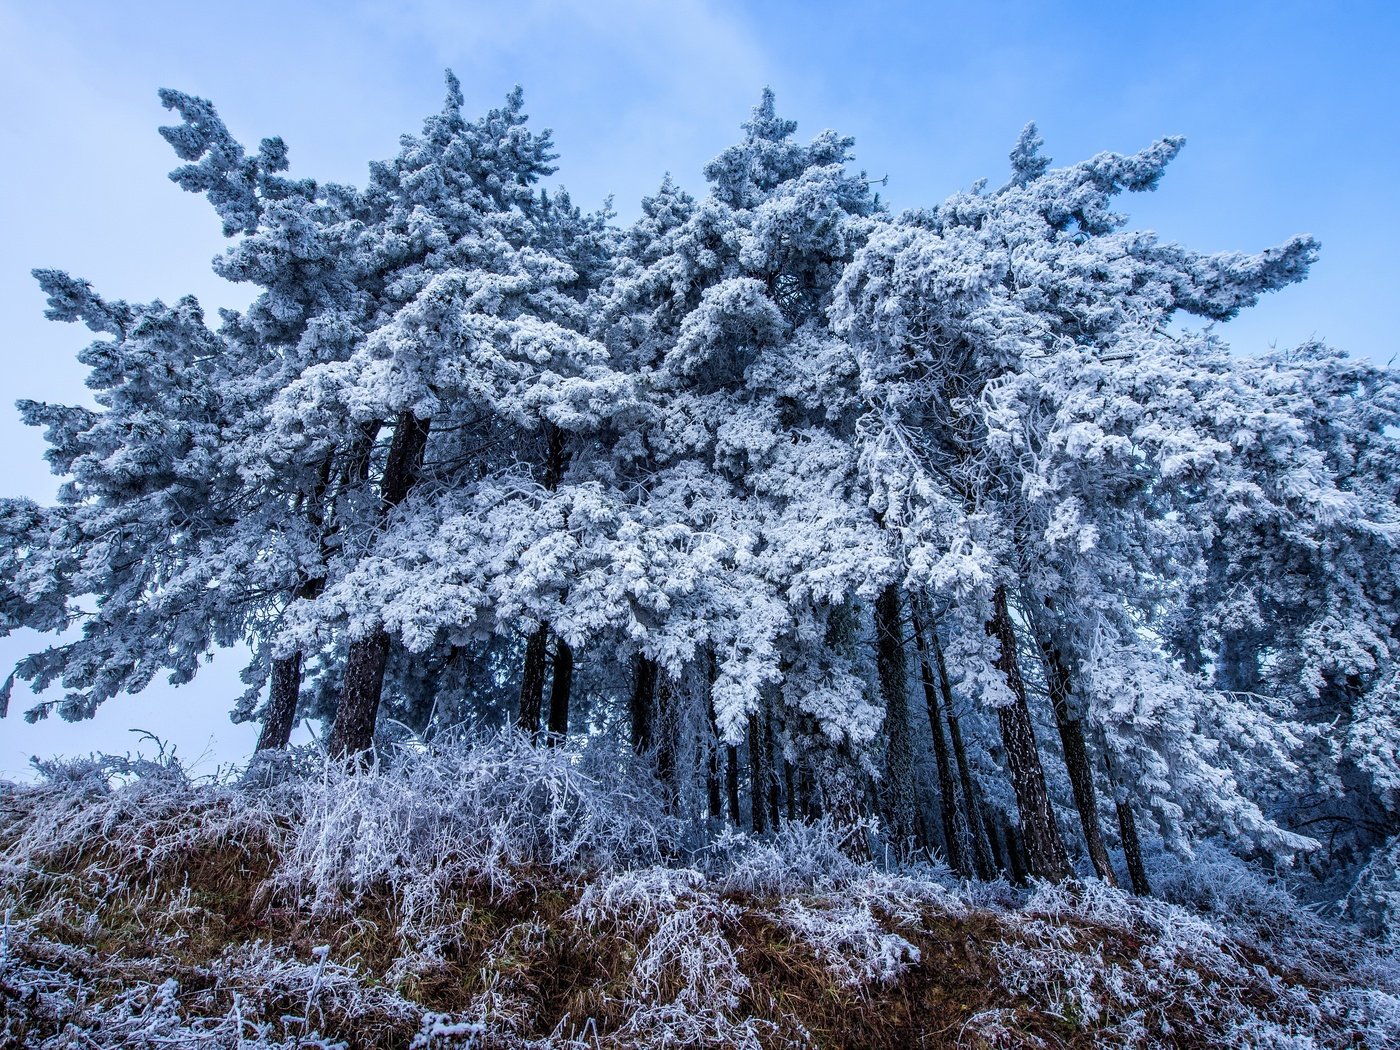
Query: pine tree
[{"x": 137, "y": 547}]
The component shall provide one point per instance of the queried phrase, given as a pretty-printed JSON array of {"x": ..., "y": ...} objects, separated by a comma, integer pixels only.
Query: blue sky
[{"x": 1289, "y": 110}]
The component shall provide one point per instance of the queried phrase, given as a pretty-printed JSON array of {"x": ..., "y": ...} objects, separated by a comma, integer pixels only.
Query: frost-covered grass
[{"x": 493, "y": 894}]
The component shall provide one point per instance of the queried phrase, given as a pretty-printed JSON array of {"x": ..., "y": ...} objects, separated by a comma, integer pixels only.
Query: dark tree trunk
[
  {"x": 994, "y": 843},
  {"x": 559, "y": 689},
  {"x": 643, "y": 691},
  {"x": 1132, "y": 848},
  {"x": 666, "y": 746},
  {"x": 714, "y": 799},
  {"x": 897, "y": 796},
  {"x": 283, "y": 692},
  {"x": 731, "y": 783},
  {"x": 947, "y": 793},
  {"x": 714, "y": 793},
  {"x": 358, "y": 462},
  {"x": 353, "y": 731},
  {"x": 1127, "y": 827},
  {"x": 773, "y": 758},
  {"x": 923, "y": 833},
  {"x": 976, "y": 831},
  {"x": 556, "y": 457},
  {"x": 284, "y": 687},
  {"x": 758, "y": 777},
  {"x": 1045, "y": 850},
  {"x": 1081, "y": 774},
  {"x": 790, "y": 788},
  {"x": 1016, "y": 853},
  {"x": 807, "y": 788},
  {"x": 537, "y": 648},
  {"x": 532, "y": 680},
  {"x": 1237, "y": 664},
  {"x": 405, "y": 459}
]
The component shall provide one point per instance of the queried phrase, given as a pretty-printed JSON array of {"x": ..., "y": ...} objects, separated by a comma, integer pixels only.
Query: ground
[{"x": 498, "y": 895}]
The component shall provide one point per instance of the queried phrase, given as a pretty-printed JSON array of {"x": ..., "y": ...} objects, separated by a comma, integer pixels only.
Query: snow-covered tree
[
  {"x": 720, "y": 306},
  {"x": 134, "y": 552},
  {"x": 1295, "y": 607},
  {"x": 980, "y": 326}
]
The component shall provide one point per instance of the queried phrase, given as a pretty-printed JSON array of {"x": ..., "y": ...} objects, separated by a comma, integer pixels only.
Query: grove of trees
[{"x": 957, "y": 527}]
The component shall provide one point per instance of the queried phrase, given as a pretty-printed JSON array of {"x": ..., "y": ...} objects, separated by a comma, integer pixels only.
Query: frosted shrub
[
  {"x": 837, "y": 919},
  {"x": 636, "y": 900},
  {"x": 77, "y": 805},
  {"x": 491, "y": 812},
  {"x": 261, "y": 1000},
  {"x": 904, "y": 896},
  {"x": 272, "y": 985},
  {"x": 997, "y": 1029},
  {"x": 34, "y": 974},
  {"x": 133, "y": 822},
  {"x": 685, "y": 984},
  {"x": 480, "y": 812},
  {"x": 1374, "y": 901},
  {"x": 798, "y": 856},
  {"x": 850, "y": 943},
  {"x": 1371, "y": 1015},
  {"x": 1132, "y": 967},
  {"x": 149, "y": 1015},
  {"x": 1248, "y": 904}
]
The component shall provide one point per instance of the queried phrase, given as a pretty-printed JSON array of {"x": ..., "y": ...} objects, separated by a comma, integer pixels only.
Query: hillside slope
[{"x": 503, "y": 896}]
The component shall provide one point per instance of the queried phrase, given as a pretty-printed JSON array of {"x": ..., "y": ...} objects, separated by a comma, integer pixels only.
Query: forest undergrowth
[{"x": 496, "y": 894}]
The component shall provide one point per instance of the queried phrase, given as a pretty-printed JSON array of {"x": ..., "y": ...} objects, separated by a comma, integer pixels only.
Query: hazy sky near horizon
[{"x": 1289, "y": 111}]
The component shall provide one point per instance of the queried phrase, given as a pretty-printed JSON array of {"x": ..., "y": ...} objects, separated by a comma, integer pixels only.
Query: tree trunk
[
  {"x": 713, "y": 791},
  {"x": 353, "y": 731},
  {"x": 772, "y": 761},
  {"x": 714, "y": 799},
  {"x": 532, "y": 680},
  {"x": 981, "y": 857},
  {"x": 790, "y": 788},
  {"x": 361, "y": 452},
  {"x": 556, "y": 457},
  {"x": 284, "y": 688},
  {"x": 1132, "y": 848},
  {"x": 731, "y": 783},
  {"x": 1127, "y": 826},
  {"x": 1045, "y": 850},
  {"x": 666, "y": 745},
  {"x": 1081, "y": 774},
  {"x": 405, "y": 459},
  {"x": 559, "y": 689},
  {"x": 758, "y": 777},
  {"x": 897, "y": 796},
  {"x": 1015, "y": 852},
  {"x": 283, "y": 692},
  {"x": 643, "y": 690},
  {"x": 947, "y": 793},
  {"x": 537, "y": 648},
  {"x": 807, "y": 789},
  {"x": 1237, "y": 664},
  {"x": 989, "y": 822}
]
